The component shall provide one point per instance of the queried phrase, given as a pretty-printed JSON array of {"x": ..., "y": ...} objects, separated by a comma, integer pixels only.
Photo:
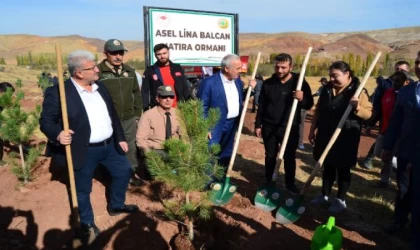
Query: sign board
[{"x": 194, "y": 38}]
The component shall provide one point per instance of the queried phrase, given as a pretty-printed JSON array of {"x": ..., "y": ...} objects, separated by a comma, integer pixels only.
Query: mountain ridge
[{"x": 398, "y": 42}]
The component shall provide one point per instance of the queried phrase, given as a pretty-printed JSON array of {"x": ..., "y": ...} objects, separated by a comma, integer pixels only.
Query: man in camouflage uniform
[{"x": 122, "y": 85}]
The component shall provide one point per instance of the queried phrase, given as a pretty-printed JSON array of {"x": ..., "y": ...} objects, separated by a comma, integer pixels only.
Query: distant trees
[
  {"x": 41, "y": 61},
  {"x": 2, "y": 61},
  {"x": 318, "y": 66}
]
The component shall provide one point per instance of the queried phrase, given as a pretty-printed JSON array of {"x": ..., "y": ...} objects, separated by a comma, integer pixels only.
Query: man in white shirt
[
  {"x": 96, "y": 136},
  {"x": 225, "y": 92}
]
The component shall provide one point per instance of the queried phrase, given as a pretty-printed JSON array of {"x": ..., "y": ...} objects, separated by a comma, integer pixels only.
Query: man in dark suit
[
  {"x": 404, "y": 126},
  {"x": 415, "y": 168},
  {"x": 225, "y": 92},
  {"x": 96, "y": 136}
]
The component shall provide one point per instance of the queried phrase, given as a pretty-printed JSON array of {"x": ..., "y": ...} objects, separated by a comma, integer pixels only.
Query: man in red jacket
[{"x": 163, "y": 72}]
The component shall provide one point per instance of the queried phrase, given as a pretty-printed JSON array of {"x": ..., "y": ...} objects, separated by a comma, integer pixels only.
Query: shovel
[
  {"x": 222, "y": 192},
  {"x": 294, "y": 207},
  {"x": 268, "y": 197}
]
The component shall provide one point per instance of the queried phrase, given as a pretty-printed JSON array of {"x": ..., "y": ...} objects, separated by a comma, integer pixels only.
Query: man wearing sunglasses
[
  {"x": 158, "y": 124},
  {"x": 164, "y": 72},
  {"x": 121, "y": 82}
]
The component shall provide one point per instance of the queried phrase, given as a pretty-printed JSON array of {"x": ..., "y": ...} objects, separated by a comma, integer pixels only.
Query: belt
[{"x": 101, "y": 143}]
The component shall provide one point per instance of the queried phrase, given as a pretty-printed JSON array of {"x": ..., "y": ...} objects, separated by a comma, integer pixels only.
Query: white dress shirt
[
  {"x": 97, "y": 112},
  {"x": 232, "y": 97}
]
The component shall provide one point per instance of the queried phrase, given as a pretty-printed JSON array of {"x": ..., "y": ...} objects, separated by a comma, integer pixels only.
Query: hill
[{"x": 399, "y": 43}]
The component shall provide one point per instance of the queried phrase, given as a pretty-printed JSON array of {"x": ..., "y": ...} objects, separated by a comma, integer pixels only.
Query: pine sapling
[
  {"x": 17, "y": 125},
  {"x": 189, "y": 164}
]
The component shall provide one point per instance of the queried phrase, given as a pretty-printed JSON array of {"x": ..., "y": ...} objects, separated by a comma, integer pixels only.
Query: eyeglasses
[
  {"x": 91, "y": 68},
  {"x": 119, "y": 52},
  {"x": 166, "y": 97}
]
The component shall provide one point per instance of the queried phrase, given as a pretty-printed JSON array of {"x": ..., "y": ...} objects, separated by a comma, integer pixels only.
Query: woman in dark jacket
[{"x": 333, "y": 101}]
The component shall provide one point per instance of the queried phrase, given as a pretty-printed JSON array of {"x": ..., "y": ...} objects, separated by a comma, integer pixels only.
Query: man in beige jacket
[{"x": 159, "y": 123}]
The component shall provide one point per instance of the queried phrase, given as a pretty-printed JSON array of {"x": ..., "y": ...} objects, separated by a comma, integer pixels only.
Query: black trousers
[
  {"x": 272, "y": 137},
  {"x": 371, "y": 151},
  {"x": 328, "y": 179},
  {"x": 415, "y": 205},
  {"x": 403, "y": 198}
]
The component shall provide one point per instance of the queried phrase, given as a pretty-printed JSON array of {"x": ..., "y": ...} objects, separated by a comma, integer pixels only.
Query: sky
[{"x": 123, "y": 19}]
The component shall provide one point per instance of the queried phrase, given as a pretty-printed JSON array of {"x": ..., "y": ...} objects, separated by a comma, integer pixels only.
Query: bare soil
[{"x": 36, "y": 216}]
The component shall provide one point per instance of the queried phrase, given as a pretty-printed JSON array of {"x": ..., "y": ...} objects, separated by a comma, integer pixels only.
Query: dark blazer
[
  {"x": 153, "y": 80},
  {"x": 404, "y": 123},
  {"x": 212, "y": 94},
  {"x": 51, "y": 123}
]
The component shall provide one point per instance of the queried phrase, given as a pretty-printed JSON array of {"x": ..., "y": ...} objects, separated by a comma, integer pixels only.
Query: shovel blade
[
  {"x": 268, "y": 198},
  {"x": 222, "y": 193},
  {"x": 291, "y": 211}
]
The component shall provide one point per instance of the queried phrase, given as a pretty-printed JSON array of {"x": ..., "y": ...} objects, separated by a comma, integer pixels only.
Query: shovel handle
[
  {"x": 339, "y": 126},
  {"x": 66, "y": 129},
  {"x": 291, "y": 117},
  {"x": 241, "y": 121}
]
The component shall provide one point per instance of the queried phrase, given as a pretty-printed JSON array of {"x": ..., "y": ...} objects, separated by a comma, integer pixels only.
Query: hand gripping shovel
[
  {"x": 294, "y": 207},
  {"x": 222, "y": 193},
  {"x": 268, "y": 197}
]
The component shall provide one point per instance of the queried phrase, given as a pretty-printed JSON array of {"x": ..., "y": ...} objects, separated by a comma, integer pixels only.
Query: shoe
[
  {"x": 394, "y": 163},
  {"x": 136, "y": 182},
  {"x": 87, "y": 229},
  {"x": 124, "y": 209},
  {"x": 337, "y": 206},
  {"x": 367, "y": 163},
  {"x": 3, "y": 163},
  {"x": 293, "y": 189},
  {"x": 320, "y": 200},
  {"x": 394, "y": 228},
  {"x": 301, "y": 146}
]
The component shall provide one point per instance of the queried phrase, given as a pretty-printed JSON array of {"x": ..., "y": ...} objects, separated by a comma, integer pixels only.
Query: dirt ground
[{"x": 36, "y": 216}]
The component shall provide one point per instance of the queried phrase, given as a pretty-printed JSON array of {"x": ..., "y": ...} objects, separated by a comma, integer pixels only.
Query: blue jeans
[{"x": 119, "y": 169}]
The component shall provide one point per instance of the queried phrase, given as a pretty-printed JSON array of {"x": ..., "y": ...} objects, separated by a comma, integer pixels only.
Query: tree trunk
[
  {"x": 190, "y": 220},
  {"x": 25, "y": 175},
  {"x": 191, "y": 229}
]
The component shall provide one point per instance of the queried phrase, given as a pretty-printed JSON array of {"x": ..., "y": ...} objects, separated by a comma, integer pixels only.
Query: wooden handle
[
  {"x": 241, "y": 122},
  {"x": 66, "y": 129},
  {"x": 340, "y": 125},
  {"x": 291, "y": 117}
]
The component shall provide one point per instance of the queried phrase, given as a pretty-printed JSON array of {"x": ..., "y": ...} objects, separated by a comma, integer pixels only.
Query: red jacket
[{"x": 388, "y": 102}]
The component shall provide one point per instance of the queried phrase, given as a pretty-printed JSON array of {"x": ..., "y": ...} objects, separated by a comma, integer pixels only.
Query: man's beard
[
  {"x": 164, "y": 61},
  {"x": 283, "y": 76}
]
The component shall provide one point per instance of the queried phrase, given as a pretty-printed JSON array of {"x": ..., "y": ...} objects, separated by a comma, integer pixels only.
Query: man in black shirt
[{"x": 275, "y": 103}]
